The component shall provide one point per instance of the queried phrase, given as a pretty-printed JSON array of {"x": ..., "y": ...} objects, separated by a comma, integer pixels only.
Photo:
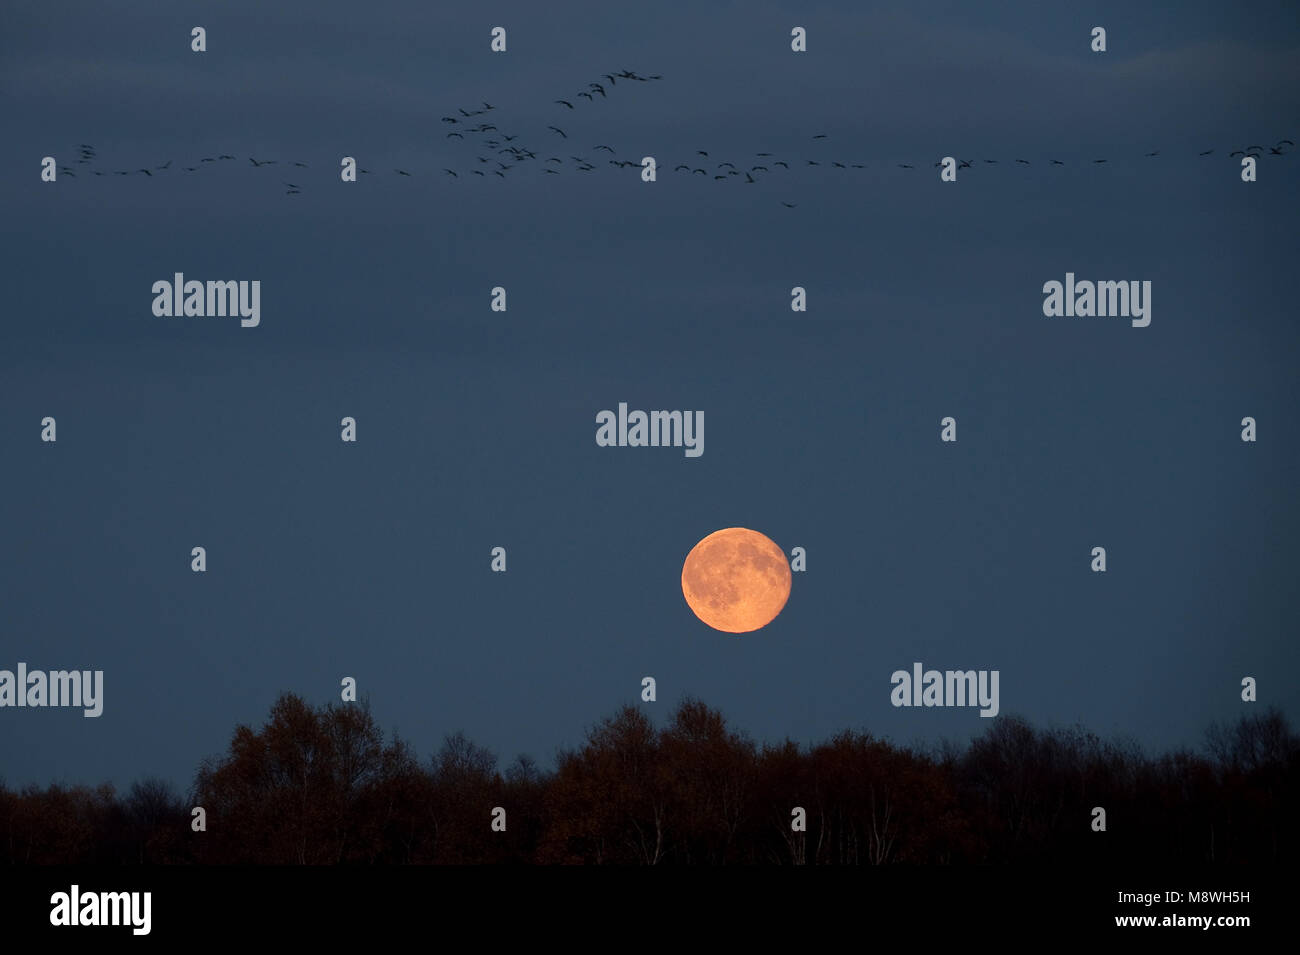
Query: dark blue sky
[{"x": 478, "y": 429}]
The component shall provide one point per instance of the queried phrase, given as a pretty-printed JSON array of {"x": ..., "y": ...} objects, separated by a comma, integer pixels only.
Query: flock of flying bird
[{"x": 496, "y": 152}]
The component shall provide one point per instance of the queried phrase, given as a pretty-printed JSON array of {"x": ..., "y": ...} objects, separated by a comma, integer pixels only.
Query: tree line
[{"x": 323, "y": 785}]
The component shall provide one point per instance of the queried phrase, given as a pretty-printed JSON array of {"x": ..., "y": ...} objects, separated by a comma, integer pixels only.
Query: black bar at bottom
[{"x": 620, "y": 906}]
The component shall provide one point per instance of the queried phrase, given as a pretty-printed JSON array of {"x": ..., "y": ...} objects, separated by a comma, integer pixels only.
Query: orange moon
[{"x": 736, "y": 580}]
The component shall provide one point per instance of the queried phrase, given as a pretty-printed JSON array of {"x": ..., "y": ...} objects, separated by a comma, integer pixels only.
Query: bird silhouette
[{"x": 511, "y": 143}]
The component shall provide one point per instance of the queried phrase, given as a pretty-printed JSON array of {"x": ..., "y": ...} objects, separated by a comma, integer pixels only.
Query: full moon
[{"x": 736, "y": 580}]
